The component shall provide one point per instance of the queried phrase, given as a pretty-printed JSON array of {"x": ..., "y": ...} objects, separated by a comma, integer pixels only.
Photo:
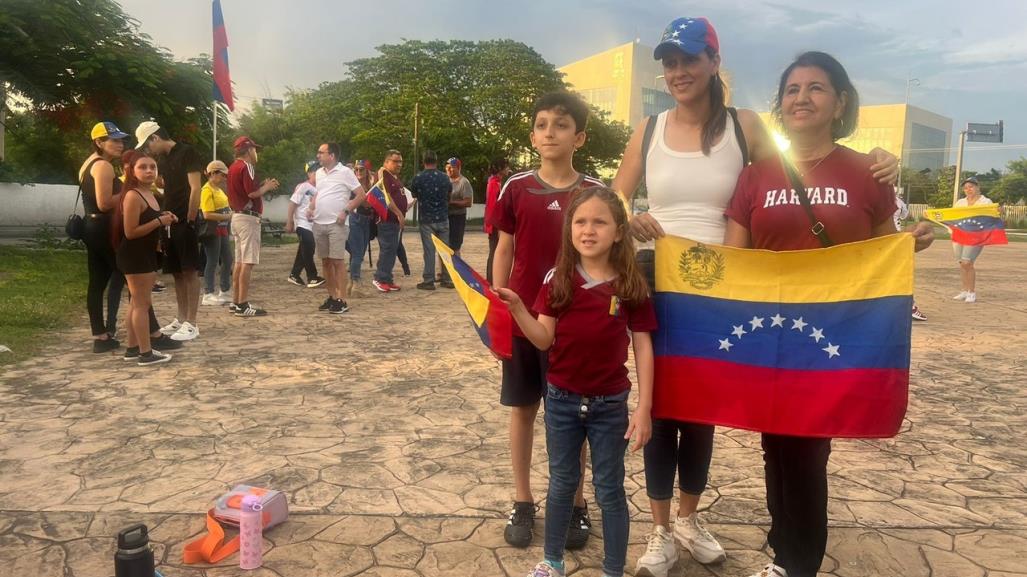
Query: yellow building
[
  {"x": 920, "y": 137},
  {"x": 624, "y": 81}
]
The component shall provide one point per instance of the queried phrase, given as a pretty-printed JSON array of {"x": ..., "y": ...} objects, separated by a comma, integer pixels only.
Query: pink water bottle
[{"x": 251, "y": 526}]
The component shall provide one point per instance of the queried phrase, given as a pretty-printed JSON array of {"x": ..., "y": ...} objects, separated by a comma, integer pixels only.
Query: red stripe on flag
[
  {"x": 979, "y": 238},
  {"x": 857, "y": 403}
]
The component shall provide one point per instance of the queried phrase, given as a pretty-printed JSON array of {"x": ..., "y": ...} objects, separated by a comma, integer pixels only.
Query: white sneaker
[
  {"x": 171, "y": 328},
  {"x": 771, "y": 570},
  {"x": 694, "y": 537},
  {"x": 660, "y": 554},
  {"x": 186, "y": 332},
  {"x": 210, "y": 299},
  {"x": 970, "y": 298},
  {"x": 961, "y": 296},
  {"x": 224, "y": 298}
]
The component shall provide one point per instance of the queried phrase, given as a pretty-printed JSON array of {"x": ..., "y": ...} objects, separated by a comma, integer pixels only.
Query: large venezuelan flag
[
  {"x": 489, "y": 314},
  {"x": 971, "y": 225},
  {"x": 807, "y": 343}
]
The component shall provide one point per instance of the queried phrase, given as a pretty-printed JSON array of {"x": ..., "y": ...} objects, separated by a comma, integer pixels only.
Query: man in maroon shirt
[{"x": 246, "y": 199}]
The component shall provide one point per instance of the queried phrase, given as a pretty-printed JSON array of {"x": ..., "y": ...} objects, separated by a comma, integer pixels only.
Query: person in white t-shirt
[
  {"x": 297, "y": 220},
  {"x": 966, "y": 255},
  {"x": 339, "y": 193}
]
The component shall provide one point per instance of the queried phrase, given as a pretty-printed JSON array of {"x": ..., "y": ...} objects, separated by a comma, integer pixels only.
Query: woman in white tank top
[{"x": 690, "y": 168}]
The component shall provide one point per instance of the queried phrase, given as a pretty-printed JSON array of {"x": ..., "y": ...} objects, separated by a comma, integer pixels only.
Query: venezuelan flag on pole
[
  {"x": 222, "y": 80},
  {"x": 379, "y": 201},
  {"x": 490, "y": 315},
  {"x": 971, "y": 225},
  {"x": 808, "y": 343}
]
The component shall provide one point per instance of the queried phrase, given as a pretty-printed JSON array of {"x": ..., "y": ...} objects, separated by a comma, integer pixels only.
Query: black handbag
[
  {"x": 204, "y": 228},
  {"x": 75, "y": 228}
]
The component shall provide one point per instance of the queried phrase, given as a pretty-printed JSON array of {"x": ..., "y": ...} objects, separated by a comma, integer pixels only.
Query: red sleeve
[
  {"x": 503, "y": 215},
  {"x": 642, "y": 317},
  {"x": 248, "y": 183},
  {"x": 882, "y": 201},
  {"x": 541, "y": 305},
  {"x": 740, "y": 207}
]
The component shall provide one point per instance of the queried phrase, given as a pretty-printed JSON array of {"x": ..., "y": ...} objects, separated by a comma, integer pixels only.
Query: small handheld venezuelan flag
[{"x": 489, "y": 315}]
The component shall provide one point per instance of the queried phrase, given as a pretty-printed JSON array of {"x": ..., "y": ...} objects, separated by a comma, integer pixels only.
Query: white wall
[{"x": 36, "y": 204}]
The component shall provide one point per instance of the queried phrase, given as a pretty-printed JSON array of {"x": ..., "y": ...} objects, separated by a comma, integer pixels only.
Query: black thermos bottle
[{"x": 134, "y": 557}]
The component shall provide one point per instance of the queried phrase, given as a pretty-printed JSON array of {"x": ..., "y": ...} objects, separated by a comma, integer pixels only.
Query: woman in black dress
[{"x": 136, "y": 251}]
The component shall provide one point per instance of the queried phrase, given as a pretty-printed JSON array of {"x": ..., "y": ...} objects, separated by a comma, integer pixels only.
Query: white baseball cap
[{"x": 144, "y": 131}]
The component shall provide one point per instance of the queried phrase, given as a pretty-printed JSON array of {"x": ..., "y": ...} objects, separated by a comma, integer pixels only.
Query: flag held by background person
[
  {"x": 971, "y": 225},
  {"x": 489, "y": 315},
  {"x": 222, "y": 80},
  {"x": 379, "y": 201},
  {"x": 809, "y": 343}
]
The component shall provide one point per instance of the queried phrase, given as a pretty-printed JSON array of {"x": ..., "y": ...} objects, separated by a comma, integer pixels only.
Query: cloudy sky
[{"x": 970, "y": 58}]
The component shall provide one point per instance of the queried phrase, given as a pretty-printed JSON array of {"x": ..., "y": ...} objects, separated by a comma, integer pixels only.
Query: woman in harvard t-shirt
[{"x": 816, "y": 104}]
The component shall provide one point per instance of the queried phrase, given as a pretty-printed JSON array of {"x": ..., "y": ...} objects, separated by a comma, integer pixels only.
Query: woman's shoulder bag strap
[{"x": 739, "y": 135}]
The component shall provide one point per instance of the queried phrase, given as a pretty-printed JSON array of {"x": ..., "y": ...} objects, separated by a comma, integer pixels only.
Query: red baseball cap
[{"x": 244, "y": 142}]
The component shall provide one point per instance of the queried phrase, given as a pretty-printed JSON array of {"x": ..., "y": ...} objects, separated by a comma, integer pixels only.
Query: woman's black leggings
[{"x": 101, "y": 265}]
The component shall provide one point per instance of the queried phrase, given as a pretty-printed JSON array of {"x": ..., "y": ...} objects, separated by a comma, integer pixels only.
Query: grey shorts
[
  {"x": 330, "y": 240},
  {"x": 966, "y": 253}
]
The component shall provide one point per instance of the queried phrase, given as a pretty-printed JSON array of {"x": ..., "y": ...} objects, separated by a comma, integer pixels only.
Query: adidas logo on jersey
[{"x": 555, "y": 205}]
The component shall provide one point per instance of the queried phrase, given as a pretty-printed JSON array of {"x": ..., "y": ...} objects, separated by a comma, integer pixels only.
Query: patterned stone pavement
[{"x": 383, "y": 427}]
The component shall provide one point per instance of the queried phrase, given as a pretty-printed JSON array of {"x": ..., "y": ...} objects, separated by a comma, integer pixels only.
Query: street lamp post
[{"x": 905, "y": 122}]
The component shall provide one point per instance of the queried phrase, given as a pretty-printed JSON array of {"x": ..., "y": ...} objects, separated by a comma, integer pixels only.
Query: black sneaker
[
  {"x": 153, "y": 357},
  {"x": 158, "y": 287},
  {"x": 338, "y": 307},
  {"x": 327, "y": 305},
  {"x": 105, "y": 345},
  {"x": 426, "y": 285},
  {"x": 577, "y": 533},
  {"x": 131, "y": 354},
  {"x": 315, "y": 282},
  {"x": 296, "y": 280},
  {"x": 165, "y": 342},
  {"x": 447, "y": 284},
  {"x": 248, "y": 310},
  {"x": 521, "y": 526}
]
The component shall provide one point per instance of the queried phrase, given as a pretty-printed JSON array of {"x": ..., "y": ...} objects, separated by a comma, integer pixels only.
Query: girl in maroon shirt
[
  {"x": 816, "y": 105},
  {"x": 587, "y": 306}
]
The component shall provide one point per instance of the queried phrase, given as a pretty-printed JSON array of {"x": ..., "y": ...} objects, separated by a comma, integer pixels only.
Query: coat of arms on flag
[{"x": 807, "y": 343}]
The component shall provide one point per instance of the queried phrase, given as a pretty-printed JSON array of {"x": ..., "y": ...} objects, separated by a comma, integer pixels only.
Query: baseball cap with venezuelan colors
[
  {"x": 689, "y": 35},
  {"x": 106, "y": 129}
]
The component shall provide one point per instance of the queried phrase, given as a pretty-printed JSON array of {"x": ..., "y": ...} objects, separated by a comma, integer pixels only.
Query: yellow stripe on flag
[
  {"x": 939, "y": 215},
  {"x": 874, "y": 268},
  {"x": 476, "y": 303}
]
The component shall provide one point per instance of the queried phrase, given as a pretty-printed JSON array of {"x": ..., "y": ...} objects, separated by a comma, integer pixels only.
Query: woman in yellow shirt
[{"x": 217, "y": 213}]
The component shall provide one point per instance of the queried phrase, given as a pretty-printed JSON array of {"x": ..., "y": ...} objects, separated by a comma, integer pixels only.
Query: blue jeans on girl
[{"x": 603, "y": 421}]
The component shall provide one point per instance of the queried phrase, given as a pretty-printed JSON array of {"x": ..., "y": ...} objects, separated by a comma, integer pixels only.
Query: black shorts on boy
[{"x": 524, "y": 374}]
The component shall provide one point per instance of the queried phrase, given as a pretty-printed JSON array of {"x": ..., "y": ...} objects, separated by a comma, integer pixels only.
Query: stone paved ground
[{"x": 393, "y": 449}]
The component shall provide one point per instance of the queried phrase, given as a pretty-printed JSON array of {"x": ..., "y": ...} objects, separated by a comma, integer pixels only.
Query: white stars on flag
[{"x": 798, "y": 324}]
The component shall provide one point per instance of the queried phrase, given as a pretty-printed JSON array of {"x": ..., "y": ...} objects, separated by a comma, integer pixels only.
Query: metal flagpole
[{"x": 214, "y": 142}]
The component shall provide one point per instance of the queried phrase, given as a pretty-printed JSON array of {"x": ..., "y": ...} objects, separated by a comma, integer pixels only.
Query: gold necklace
[{"x": 822, "y": 159}]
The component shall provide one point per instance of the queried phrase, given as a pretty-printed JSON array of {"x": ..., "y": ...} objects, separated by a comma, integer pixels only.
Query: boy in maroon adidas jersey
[{"x": 529, "y": 215}]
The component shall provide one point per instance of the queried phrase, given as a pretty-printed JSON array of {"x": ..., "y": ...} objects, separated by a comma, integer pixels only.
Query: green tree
[
  {"x": 474, "y": 100},
  {"x": 76, "y": 62}
]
